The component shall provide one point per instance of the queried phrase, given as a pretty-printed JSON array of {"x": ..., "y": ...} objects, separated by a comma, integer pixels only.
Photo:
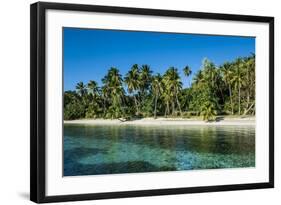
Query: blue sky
[{"x": 89, "y": 53}]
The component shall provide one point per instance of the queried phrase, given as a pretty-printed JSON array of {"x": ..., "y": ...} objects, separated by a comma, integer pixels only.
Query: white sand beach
[{"x": 165, "y": 121}]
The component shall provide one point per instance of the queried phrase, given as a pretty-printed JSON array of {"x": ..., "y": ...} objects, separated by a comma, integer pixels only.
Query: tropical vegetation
[{"x": 226, "y": 89}]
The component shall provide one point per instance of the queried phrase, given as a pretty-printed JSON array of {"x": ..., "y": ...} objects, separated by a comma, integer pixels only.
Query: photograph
[
  {"x": 148, "y": 101},
  {"x": 140, "y": 101}
]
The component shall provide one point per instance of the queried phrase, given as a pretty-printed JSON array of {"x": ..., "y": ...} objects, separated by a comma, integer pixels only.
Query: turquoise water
[{"x": 91, "y": 150}]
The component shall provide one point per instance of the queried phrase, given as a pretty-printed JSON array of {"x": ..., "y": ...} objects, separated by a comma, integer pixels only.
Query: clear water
[{"x": 92, "y": 150}]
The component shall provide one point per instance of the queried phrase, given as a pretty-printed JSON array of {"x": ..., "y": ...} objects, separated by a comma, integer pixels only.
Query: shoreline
[{"x": 165, "y": 121}]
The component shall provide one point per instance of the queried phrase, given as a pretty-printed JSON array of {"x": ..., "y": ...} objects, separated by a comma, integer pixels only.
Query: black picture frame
[{"x": 37, "y": 101}]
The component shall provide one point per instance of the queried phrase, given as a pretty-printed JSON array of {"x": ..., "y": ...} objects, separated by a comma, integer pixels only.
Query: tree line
[{"x": 227, "y": 89}]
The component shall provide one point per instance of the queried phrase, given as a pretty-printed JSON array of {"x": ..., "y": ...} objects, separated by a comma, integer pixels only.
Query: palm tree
[
  {"x": 227, "y": 78},
  {"x": 93, "y": 88},
  {"x": 93, "y": 109},
  {"x": 133, "y": 83},
  {"x": 249, "y": 63},
  {"x": 187, "y": 71},
  {"x": 157, "y": 89},
  {"x": 144, "y": 84},
  {"x": 167, "y": 99},
  {"x": 198, "y": 77},
  {"x": 173, "y": 87},
  {"x": 105, "y": 92},
  {"x": 158, "y": 94},
  {"x": 145, "y": 76},
  {"x": 114, "y": 89},
  {"x": 105, "y": 95},
  {"x": 238, "y": 80},
  {"x": 209, "y": 73},
  {"x": 81, "y": 89}
]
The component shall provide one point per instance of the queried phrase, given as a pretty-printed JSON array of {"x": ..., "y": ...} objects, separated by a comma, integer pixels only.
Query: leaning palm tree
[
  {"x": 249, "y": 85},
  {"x": 81, "y": 89},
  {"x": 133, "y": 83},
  {"x": 157, "y": 89}
]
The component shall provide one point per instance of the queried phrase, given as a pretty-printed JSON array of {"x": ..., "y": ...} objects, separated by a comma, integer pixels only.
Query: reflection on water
[{"x": 90, "y": 150}]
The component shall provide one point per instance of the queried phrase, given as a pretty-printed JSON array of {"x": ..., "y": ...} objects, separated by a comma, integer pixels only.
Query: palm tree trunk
[
  {"x": 248, "y": 90},
  {"x": 230, "y": 95},
  {"x": 136, "y": 104},
  {"x": 173, "y": 107},
  {"x": 167, "y": 110},
  {"x": 155, "y": 106},
  {"x": 104, "y": 111},
  {"x": 248, "y": 98},
  {"x": 222, "y": 96},
  {"x": 179, "y": 104},
  {"x": 239, "y": 100},
  {"x": 248, "y": 109}
]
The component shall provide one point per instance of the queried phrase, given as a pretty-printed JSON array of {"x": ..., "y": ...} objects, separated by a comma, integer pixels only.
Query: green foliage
[
  {"x": 225, "y": 89},
  {"x": 208, "y": 111},
  {"x": 93, "y": 110},
  {"x": 147, "y": 108},
  {"x": 172, "y": 90},
  {"x": 74, "y": 111}
]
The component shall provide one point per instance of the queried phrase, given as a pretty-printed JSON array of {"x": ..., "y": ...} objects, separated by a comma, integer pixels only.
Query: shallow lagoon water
[{"x": 114, "y": 149}]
